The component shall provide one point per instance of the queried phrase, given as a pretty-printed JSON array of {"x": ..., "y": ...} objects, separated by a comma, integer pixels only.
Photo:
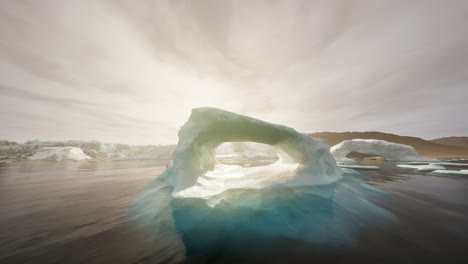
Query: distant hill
[
  {"x": 452, "y": 141},
  {"x": 423, "y": 147}
]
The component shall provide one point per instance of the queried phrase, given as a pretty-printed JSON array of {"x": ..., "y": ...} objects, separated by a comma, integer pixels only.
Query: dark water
[{"x": 76, "y": 212}]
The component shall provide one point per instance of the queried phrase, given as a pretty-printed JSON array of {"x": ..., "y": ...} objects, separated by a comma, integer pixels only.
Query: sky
[{"x": 131, "y": 71}]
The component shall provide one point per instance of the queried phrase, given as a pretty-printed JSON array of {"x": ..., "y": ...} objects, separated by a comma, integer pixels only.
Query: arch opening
[{"x": 246, "y": 154}]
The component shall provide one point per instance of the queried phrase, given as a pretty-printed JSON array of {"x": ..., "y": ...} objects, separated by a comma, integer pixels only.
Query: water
[{"x": 76, "y": 212}]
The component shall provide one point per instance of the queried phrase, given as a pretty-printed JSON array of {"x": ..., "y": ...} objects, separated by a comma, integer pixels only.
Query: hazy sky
[{"x": 131, "y": 71}]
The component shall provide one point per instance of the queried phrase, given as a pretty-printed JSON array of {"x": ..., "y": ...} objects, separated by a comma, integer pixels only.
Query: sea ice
[
  {"x": 428, "y": 167},
  {"x": 452, "y": 164},
  {"x": 60, "y": 153},
  {"x": 450, "y": 172},
  {"x": 359, "y": 167}
]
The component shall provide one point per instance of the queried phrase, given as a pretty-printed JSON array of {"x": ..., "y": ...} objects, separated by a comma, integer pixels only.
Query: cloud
[{"x": 131, "y": 71}]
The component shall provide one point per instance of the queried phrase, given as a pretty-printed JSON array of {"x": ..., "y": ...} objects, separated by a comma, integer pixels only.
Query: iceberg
[
  {"x": 59, "y": 154},
  {"x": 95, "y": 149},
  {"x": 216, "y": 208},
  {"x": 374, "y": 147},
  {"x": 303, "y": 160}
]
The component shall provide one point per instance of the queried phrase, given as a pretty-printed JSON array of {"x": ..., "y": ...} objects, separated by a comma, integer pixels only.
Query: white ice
[
  {"x": 195, "y": 172},
  {"x": 381, "y": 148},
  {"x": 448, "y": 164},
  {"x": 59, "y": 154},
  {"x": 450, "y": 172},
  {"x": 11, "y": 151},
  {"x": 428, "y": 167},
  {"x": 359, "y": 167}
]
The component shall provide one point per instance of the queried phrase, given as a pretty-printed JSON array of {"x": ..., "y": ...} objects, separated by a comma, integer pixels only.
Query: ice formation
[
  {"x": 215, "y": 208},
  {"x": 452, "y": 164},
  {"x": 427, "y": 167},
  {"x": 374, "y": 147},
  {"x": 450, "y": 172},
  {"x": 303, "y": 160},
  {"x": 11, "y": 151},
  {"x": 60, "y": 153},
  {"x": 448, "y": 164},
  {"x": 359, "y": 167}
]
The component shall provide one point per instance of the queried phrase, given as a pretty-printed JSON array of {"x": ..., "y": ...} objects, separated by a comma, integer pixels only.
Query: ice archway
[{"x": 307, "y": 159}]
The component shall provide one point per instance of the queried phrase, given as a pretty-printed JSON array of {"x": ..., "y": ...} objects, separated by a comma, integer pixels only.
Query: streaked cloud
[{"x": 131, "y": 71}]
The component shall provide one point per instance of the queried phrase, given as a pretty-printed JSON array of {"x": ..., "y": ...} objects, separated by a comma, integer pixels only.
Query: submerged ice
[{"x": 304, "y": 196}]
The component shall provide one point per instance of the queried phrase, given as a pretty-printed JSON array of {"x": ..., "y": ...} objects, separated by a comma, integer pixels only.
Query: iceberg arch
[
  {"x": 205, "y": 208},
  {"x": 382, "y": 148},
  {"x": 207, "y": 128}
]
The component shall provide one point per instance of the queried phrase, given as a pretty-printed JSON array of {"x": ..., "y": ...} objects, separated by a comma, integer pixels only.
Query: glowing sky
[{"x": 131, "y": 71}]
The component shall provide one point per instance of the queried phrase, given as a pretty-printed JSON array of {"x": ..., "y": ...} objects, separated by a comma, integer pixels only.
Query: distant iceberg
[
  {"x": 374, "y": 147},
  {"x": 59, "y": 154},
  {"x": 11, "y": 151}
]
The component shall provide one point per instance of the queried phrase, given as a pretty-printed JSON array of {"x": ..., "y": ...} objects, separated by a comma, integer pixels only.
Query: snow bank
[
  {"x": 60, "y": 153},
  {"x": 382, "y": 148}
]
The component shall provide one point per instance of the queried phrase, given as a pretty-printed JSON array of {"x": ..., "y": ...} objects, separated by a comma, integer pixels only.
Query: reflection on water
[{"x": 76, "y": 212}]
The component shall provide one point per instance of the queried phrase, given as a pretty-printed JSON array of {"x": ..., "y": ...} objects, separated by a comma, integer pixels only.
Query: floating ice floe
[
  {"x": 359, "y": 167},
  {"x": 452, "y": 164},
  {"x": 374, "y": 147},
  {"x": 428, "y": 167},
  {"x": 448, "y": 164},
  {"x": 450, "y": 172},
  {"x": 59, "y": 154}
]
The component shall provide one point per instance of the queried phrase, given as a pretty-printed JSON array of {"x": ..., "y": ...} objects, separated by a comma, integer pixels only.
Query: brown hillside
[
  {"x": 423, "y": 147},
  {"x": 452, "y": 141}
]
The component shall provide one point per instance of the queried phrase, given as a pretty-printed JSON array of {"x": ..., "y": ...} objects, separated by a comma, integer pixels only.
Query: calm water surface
[{"x": 74, "y": 212}]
